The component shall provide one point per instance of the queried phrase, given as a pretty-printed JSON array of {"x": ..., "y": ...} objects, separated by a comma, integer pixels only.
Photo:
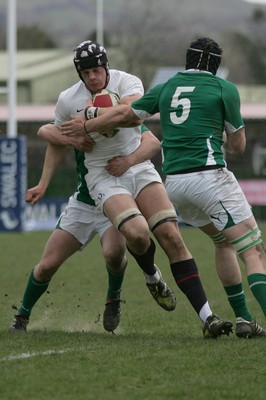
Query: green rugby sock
[
  {"x": 115, "y": 281},
  {"x": 237, "y": 300},
  {"x": 257, "y": 284},
  {"x": 33, "y": 292}
]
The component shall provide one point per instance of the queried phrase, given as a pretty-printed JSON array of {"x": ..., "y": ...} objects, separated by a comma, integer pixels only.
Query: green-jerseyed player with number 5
[{"x": 198, "y": 111}]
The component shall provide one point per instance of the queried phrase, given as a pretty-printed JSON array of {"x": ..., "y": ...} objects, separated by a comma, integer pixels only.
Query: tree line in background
[{"x": 148, "y": 41}]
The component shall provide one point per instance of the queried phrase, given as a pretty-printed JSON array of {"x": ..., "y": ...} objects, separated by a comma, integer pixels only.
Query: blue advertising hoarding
[
  {"x": 44, "y": 214},
  {"x": 13, "y": 183}
]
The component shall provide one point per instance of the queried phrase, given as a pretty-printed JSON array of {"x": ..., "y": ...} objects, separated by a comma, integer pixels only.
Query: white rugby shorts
[
  {"x": 83, "y": 221},
  {"x": 208, "y": 196},
  {"x": 102, "y": 185}
]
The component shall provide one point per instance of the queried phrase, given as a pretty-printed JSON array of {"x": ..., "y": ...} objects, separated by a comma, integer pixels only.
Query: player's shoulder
[
  {"x": 119, "y": 72},
  {"x": 225, "y": 83},
  {"x": 116, "y": 74},
  {"x": 124, "y": 84},
  {"x": 72, "y": 90}
]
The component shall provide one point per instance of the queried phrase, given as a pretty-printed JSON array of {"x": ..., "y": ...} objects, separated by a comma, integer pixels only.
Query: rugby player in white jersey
[
  {"x": 196, "y": 107},
  {"x": 81, "y": 220},
  {"x": 126, "y": 200}
]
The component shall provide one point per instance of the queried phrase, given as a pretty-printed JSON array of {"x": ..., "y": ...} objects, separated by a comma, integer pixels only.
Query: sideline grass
[{"x": 154, "y": 354}]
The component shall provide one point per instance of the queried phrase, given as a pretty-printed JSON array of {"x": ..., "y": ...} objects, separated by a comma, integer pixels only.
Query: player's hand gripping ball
[{"x": 106, "y": 98}]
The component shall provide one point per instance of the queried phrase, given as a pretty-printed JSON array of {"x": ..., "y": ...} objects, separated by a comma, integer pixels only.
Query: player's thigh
[
  {"x": 209, "y": 229},
  {"x": 117, "y": 204},
  {"x": 152, "y": 199},
  {"x": 60, "y": 246}
]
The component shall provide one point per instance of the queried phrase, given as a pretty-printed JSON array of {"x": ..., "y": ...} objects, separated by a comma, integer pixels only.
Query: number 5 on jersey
[{"x": 184, "y": 103}]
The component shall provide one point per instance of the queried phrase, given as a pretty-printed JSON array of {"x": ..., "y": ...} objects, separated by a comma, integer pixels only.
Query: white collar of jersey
[{"x": 197, "y": 70}]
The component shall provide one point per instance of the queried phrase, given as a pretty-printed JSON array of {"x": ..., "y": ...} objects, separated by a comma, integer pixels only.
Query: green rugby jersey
[
  {"x": 82, "y": 192},
  {"x": 195, "y": 108}
]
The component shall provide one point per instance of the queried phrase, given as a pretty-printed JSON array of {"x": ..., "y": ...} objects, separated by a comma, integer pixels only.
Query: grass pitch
[{"x": 154, "y": 354}]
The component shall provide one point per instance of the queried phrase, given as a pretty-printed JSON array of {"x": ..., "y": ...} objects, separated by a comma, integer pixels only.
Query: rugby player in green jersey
[{"x": 79, "y": 223}]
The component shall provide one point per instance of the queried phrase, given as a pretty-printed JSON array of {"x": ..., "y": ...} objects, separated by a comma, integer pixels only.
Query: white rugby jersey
[{"x": 72, "y": 102}]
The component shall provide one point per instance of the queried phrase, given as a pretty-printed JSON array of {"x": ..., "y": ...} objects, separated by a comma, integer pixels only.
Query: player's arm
[
  {"x": 149, "y": 147},
  {"x": 54, "y": 156},
  {"x": 52, "y": 134},
  {"x": 236, "y": 142},
  {"x": 126, "y": 100},
  {"x": 119, "y": 116},
  {"x": 129, "y": 99},
  {"x": 234, "y": 124}
]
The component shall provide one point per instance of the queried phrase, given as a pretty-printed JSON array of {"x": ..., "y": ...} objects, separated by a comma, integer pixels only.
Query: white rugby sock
[
  {"x": 205, "y": 312},
  {"x": 152, "y": 278}
]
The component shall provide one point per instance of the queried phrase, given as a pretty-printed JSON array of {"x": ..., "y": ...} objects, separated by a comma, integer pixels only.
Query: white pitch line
[{"x": 30, "y": 355}]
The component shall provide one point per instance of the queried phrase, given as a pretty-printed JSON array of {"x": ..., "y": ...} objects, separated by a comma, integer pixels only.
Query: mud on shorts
[{"x": 208, "y": 196}]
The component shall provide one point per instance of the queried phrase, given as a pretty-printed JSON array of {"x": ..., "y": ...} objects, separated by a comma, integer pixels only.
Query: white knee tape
[
  {"x": 250, "y": 239},
  {"x": 218, "y": 238},
  {"x": 160, "y": 217},
  {"x": 126, "y": 216}
]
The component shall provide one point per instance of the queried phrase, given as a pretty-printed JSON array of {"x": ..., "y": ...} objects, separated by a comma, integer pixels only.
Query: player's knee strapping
[
  {"x": 161, "y": 217},
  {"x": 219, "y": 238},
  {"x": 126, "y": 216},
  {"x": 250, "y": 239}
]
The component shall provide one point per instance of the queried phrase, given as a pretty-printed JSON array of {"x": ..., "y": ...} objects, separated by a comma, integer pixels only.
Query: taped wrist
[{"x": 91, "y": 112}]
